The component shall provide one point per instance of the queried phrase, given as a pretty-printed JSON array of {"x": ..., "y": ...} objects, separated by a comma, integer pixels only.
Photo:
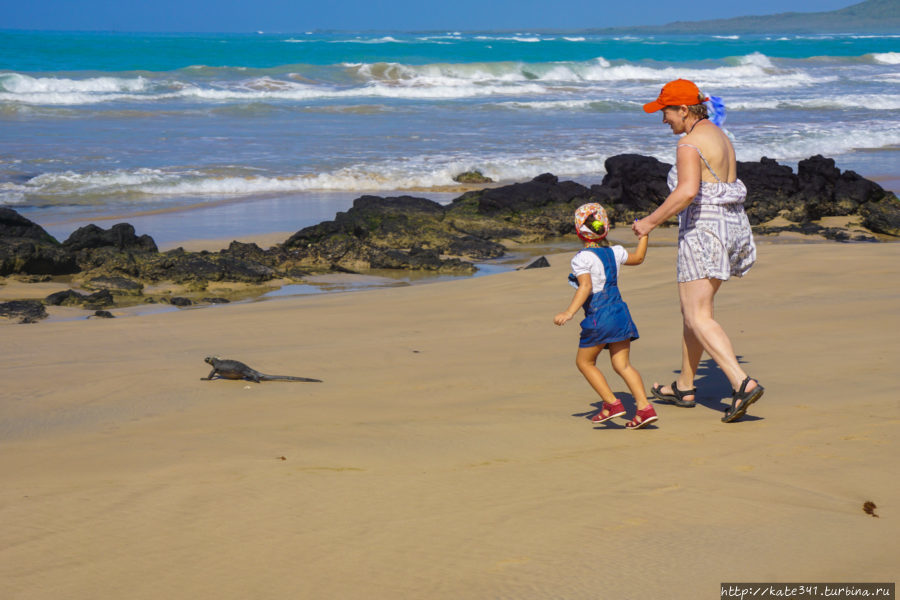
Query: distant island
[{"x": 874, "y": 16}]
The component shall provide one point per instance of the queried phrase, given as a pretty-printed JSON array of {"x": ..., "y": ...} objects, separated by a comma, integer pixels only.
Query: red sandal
[
  {"x": 613, "y": 410},
  {"x": 646, "y": 416}
]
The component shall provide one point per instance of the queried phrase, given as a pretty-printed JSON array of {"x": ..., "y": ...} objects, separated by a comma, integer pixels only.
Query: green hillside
[{"x": 875, "y": 16}]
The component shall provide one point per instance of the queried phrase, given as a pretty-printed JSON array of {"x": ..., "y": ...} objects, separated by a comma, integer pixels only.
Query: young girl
[{"x": 607, "y": 322}]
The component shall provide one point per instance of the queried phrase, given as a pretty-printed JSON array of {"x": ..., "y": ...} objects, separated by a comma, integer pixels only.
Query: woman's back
[{"x": 716, "y": 149}]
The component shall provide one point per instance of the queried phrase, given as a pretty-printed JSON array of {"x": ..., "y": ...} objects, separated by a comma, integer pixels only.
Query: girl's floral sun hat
[{"x": 591, "y": 222}]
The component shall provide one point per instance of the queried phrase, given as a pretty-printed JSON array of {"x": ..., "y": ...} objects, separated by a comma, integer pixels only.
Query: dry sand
[{"x": 449, "y": 452}]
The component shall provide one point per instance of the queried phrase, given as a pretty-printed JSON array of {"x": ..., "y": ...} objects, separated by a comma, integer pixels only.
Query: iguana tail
[{"x": 287, "y": 378}]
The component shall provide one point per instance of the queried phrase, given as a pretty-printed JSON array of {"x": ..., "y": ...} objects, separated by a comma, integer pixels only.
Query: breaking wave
[
  {"x": 435, "y": 81},
  {"x": 411, "y": 174}
]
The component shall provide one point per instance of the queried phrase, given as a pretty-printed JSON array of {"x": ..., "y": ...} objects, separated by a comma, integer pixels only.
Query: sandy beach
[{"x": 449, "y": 452}]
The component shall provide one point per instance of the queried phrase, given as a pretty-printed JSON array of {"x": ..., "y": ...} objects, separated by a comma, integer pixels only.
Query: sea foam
[
  {"x": 435, "y": 81},
  {"x": 416, "y": 173},
  {"x": 887, "y": 58}
]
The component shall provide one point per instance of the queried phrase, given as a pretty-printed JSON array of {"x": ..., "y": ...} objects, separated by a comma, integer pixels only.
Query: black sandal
[
  {"x": 736, "y": 411},
  {"x": 677, "y": 396}
]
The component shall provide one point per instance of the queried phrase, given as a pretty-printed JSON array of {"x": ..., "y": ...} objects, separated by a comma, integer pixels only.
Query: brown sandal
[
  {"x": 736, "y": 411},
  {"x": 677, "y": 396}
]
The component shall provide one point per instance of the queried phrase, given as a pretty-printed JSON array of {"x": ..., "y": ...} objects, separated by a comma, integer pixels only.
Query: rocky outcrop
[
  {"x": 116, "y": 285},
  {"x": 386, "y": 233},
  {"x": 120, "y": 236},
  {"x": 15, "y": 226},
  {"x": 818, "y": 189},
  {"x": 524, "y": 212},
  {"x": 26, "y": 311},
  {"x": 882, "y": 216},
  {"x": 25, "y": 248},
  {"x": 475, "y": 176},
  {"x": 413, "y": 233},
  {"x": 93, "y": 301},
  {"x": 107, "y": 266},
  {"x": 633, "y": 186},
  {"x": 540, "y": 263}
]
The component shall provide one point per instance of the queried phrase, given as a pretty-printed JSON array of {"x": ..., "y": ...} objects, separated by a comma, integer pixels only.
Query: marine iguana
[{"x": 233, "y": 369}]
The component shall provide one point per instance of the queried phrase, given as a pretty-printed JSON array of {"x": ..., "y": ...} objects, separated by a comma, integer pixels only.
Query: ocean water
[{"x": 214, "y": 136}]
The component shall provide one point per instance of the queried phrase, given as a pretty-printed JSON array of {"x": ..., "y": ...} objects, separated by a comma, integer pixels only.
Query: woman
[{"x": 714, "y": 240}]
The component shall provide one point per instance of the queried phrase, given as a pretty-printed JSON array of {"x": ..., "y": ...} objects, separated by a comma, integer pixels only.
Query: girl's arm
[
  {"x": 637, "y": 257},
  {"x": 585, "y": 287},
  {"x": 688, "y": 162}
]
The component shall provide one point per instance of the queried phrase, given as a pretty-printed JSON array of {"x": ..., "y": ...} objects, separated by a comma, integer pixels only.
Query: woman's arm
[
  {"x": 585, "y": 287},
  {"x": 637, "y": 257},
  {"x": 688, "y": 162}
]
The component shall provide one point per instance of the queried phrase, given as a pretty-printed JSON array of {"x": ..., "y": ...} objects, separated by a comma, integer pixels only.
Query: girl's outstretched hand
[{"x": 562, "y": 318}]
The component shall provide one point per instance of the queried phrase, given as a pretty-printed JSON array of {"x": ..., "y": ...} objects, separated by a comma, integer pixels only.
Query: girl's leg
[
  {"x": 586, "y": 361},
  {"x": 619, "y": 353},
  {"x": 697, "y": 308}
]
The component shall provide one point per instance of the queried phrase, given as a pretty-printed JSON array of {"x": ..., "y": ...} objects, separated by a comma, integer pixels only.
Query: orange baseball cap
[{"x": 676, "y": 93}]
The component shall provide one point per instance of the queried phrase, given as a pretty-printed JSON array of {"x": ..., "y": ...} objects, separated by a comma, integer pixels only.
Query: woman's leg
[
  {"x": 586, "y": 361},
  {"x": 691, "y": 352},
  {"x": 697, "y": 308},
  {"x": 619, "y": 354}
]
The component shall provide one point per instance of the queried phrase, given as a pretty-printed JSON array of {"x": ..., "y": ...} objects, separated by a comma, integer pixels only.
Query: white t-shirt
[{"x": 588, "y": 262}]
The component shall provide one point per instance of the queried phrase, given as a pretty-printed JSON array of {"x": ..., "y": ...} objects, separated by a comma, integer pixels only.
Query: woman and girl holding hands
[{"x": 714, "y": 243}]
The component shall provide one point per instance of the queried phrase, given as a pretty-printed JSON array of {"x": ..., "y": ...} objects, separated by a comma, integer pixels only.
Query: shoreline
[
  {"x": 204, "y": 224},
  {"x": 518, "y": 256},
  {"x": 418, "y": 242},
  {"x": 196, "y": 220}
]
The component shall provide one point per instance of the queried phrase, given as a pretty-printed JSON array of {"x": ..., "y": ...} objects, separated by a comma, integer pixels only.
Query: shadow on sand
[{"x": 713, "y": 392}]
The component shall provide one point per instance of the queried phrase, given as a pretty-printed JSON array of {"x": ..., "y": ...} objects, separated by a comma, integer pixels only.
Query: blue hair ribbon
[{"x": 715, "y": 106}]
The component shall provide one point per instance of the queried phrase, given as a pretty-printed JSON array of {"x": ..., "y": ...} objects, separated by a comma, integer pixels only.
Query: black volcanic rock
[
  {"x": 771, "y": 189},
  {"x": 413, "y": 233},
  {"x": 882, "y": 216},
  {"x": 72, "y": 298},
  {"x": 29, "y": 257},
  {"x": 27, "y": 311},
  {"x": 99, "y": 299},
  {"x": 633, "y": 186},
  {"x": 385, "y": 233},
  {"x": 522, "y": 198},
  {"x": 27, "y": 249},
  {"x": 120, "y": 236},
  {"x": 540, "y": 263},
  {"x": 116, "y": 285},
  {"x": 819, "y": 189},
  {"x": 389, "y": 222},
  {"x": 472, "y": 177},
  {"x": 14, "y": 225},
  {"x": 65, "y": 298}
]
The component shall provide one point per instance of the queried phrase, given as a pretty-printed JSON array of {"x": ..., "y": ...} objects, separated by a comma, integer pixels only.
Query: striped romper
[{"x": 714, "y": 236}]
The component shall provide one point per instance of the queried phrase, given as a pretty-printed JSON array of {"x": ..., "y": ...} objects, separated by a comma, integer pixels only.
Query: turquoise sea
[{"x": 217, "y": 136}]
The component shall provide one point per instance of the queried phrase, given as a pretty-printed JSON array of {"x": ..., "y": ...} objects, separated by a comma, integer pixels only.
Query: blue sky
[{"x": 396, "y": 15}]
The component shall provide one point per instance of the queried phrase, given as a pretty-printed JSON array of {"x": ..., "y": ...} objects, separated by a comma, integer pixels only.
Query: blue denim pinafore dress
[{"x": 606, "y": 316}]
